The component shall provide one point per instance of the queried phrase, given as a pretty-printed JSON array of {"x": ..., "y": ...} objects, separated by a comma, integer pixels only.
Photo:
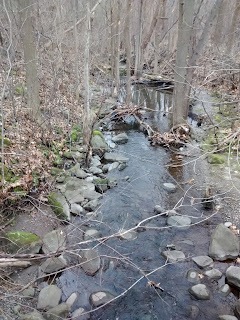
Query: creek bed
[{"x": 133, "y": 200}]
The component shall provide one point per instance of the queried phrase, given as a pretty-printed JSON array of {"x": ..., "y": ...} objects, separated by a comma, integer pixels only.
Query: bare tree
[
  {"x": 180, "y": 100},
  {"x": 128, "y": 49},
  {"x": 30, "y": 58},
  {"x": 138, "y": 47}
]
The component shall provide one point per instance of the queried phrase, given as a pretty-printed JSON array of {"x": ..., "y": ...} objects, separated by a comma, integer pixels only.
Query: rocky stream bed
[{"x": 142, "y": 240}]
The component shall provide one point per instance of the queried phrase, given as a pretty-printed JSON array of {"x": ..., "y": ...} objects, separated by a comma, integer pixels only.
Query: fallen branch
[{"x": 12, "y": 262}]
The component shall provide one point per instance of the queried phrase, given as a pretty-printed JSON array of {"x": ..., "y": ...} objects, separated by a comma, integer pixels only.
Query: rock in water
[
  {"x": 213, "y": 274},
  {"x": 180, "y": 222},
  {"x": 99, "y": 298},
  {"x": 200, "y": 292},
  {"x": 233, "y": 276},
  {"x": 173, "y": 256},
  {"x": 224, "y": 244},
  {"x": 170, "y": 187},
  {"x": 91, "y": 261},
  {"x": 120, "y": 138},
  {"x": 115, "y": 157},
  {"x": 203, "y": 261},
  {"x": 227, "y": 317}
]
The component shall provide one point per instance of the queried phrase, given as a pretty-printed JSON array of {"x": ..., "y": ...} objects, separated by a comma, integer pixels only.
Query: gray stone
[
  {"x": 115, "y": 157},
  {"x": 200, "y": 292},
  {"x": 53, "y": 264},
  {"x": 76, "y": 209},
  {"x": 29, "y": 292},
  {"x": 213, "y": 274},
  {"x": 99, "y": 298},
  {"x": 113, "y": 166},
  {"x": 61, "y": 311},
  {"x": 224, "y": 244},
  {"x": 32, "y": 316},
  {"x": 120, "y": 138},
  {"x": 72, "y": 300},
  {"x": 203, "y": 261},
  {"x": 59, "y": 198},
  {"x": 95, "y": 170},
  {"x": 173, "y": 256},
  {"x": 17, "y": 309},
  {"x": 194, "y": 312},
  {"x": 227, "y": 317},
  {"x": 78, "y": 172},
  {"x": 95, "y": 162},
  {"x": 237, "y": 309},
  {"x": 54, "y": 241},
  {"x": 90, "y": 261},
  {"x": 225, "y": 289},
  {"x": 171, "y": 213},
  {"x": 192, "y": 276},
  {"x": 77, "y": 314},
  {"x": 180, "y": 222},
  {"x": 49, "y": 297},
  {"x": 91, "y": 234},
  {"x": 127, "y": 235},
  {"x": 106, "y": 167},
  {"x": 91, "y": 195},
  {"x": 233, "y": 276},
  {"x": 98, "y": 143},
  {"x": 158, "y": 209},
  {"x": 91, "y": 205},
  {"x": 122, "y": 166},
  {"x": 170, "y": 187},
  {"x": 74, "y": 196}
]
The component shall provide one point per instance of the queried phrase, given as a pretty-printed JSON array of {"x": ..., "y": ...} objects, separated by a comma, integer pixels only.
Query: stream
[{"x": 139, "y": 189}]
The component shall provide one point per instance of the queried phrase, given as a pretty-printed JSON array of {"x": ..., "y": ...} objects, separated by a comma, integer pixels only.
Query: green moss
[
  {"x": 76, "y": 133},
  {"x": 20, "y": 239},
  {"x": 56, "y": 171},
  {"x": 97, "y": 133},
  {"x": 56, "y": 206},
  {"x": 58, "y": 161},
  {"x": 20, "y": 89},
  {"x": 6, "y": 142},
  {"x": 35, "y": 179},
  {"x": 68, "y": 155},
  {"x": 123, "y": 72},
  {"x": 8, "y": 174},
  {"x": 216, "y": 159}
]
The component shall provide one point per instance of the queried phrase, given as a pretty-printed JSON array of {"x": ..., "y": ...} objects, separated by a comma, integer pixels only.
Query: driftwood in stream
[{"x": 176, "y": 137}]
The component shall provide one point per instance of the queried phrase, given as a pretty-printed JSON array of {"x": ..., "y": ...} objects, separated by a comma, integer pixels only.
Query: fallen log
[{"x": 12, "y": 262}]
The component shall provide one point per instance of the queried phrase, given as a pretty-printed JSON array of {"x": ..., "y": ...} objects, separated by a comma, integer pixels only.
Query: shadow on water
[{"x": 133, "y": 200}]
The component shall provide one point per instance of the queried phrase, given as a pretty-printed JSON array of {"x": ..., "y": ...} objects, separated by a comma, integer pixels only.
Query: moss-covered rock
[
  {"x": 58, "y": 161},
  {"x": 59, "y": 205},
  {"x": 97, "y": 133},
  {"x": 68, "y": 155},
  {"x": 216, "y": 159},
  {"x": 56, "y": 171},
  {"x": 76, "y": 133},
  {"x": 19, "y": 239}
]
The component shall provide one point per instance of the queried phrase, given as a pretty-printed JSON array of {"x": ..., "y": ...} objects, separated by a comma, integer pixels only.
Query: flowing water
[{"x": 124, "y": 263}]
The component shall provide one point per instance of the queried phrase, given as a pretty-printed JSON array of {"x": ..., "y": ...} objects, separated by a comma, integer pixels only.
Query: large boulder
[
  {"x": 54, "y": 241},
  {"x": 49, "y": 297},
  {"x": 203, "y": 261},
  {"x": 22, "y": 240},
  {"x": 233, "y": 276},
  {"x": 98, "y": 143},
  {"x": 59, "y": 205},
  {"x": 224, "y": 244}
]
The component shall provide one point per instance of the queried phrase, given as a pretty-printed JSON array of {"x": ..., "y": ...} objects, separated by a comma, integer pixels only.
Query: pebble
[
  {"x": 200, "y": 292},
  {"x": 203, "y": 261},
  {"x": 168, "y": 186}
]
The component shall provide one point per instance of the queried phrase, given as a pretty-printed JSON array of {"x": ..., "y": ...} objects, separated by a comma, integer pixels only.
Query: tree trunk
[
  {"x": 138, "y": 48},
  {"x": 87, "y": 128},
  {"x": 117, "y": 49},
  {"x": 180, "y": 101},
  {"x": 128, "y": 51},
  {"x": 30, "y": 59},
  {"x": 233, "y": 27},
  {"x": 76, "y": 45}
]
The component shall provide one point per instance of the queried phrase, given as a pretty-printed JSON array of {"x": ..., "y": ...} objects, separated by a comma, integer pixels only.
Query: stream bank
[{"x": 132, "y": 263}]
